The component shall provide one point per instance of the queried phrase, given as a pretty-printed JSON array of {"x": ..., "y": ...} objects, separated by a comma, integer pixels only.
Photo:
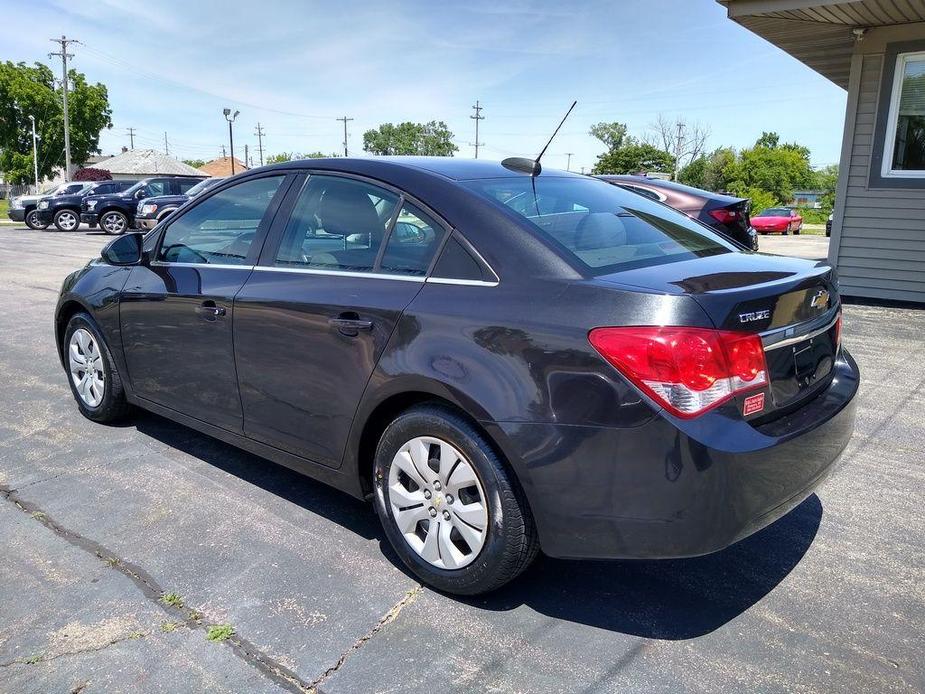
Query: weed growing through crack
[
  {"x": 172, "y": 599},
  {"x": 168, "y": 627},
  {"x": 220, "y": 632},
  {"x": 38, "y": 515},
  {"x": 32, "y": 659}
]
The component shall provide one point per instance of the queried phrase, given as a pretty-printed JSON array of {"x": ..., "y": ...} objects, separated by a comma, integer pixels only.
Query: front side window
[
  {"x": 222, "y": 228},
  {"x": 905, "y": 141},
  {"x": 156, "y": 188},
  {"x": 187, "y": 184},
  {"x": 337, "y": 224},
  {"x": 601, "y": 226}
]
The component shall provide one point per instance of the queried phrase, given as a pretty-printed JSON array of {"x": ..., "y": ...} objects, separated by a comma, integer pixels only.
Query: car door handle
[
  {"x": 349, "y": 323},
  {"x": 209, "y": 311}
]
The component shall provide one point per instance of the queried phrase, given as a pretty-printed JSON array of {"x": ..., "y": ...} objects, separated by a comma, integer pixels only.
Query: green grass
[
  {"x": 4, "y": 206},
  {"x": 813, "y": 229},
  {"x": 172, "y": 599},
  {"x": 220, "y": 632}
]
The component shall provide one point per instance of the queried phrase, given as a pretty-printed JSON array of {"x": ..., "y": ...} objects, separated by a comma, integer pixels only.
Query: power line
[
  {"x": 259, "y": 134},
  {"x": 64, "y": 55},
  {"x": 345, "y": 119},
  {"x": 477, "y": 117}
]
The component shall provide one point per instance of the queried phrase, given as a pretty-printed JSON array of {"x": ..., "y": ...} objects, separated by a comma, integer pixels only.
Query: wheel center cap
[{"x": 438, "y": 500}]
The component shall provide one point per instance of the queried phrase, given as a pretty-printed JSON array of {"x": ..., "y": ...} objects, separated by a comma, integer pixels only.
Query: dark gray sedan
[{"x": 503, "y": 362}]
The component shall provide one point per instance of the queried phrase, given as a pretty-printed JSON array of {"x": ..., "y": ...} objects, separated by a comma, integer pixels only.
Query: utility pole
[
  {"x": 131, "y": 138},
  {"x": 245, "y": 154},
  {"x": 230, "y": 118},
  {"x": 224, "y": 152},
  {"x": 259, "y": 134},
  {"x": 678, "y": 144},
  {"x": 568, "y": 165},
  {"x": 64, "y": 55},
  {"x": 35, "y": 154},
  {"x": 166, "y": 149},
  {"x": 477, "y": 117},
  {"x": 345, "y": 119}
]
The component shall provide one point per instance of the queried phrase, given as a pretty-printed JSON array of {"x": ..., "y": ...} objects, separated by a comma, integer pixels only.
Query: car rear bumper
[
  {"x": 17, "y": 215},
  {"x": 677, "y": 488},
  {"x": 88, "y": 217},
  {"x": 146, "y": 224}
]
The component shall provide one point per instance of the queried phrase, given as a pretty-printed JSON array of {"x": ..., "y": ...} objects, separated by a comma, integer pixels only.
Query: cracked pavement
[{"x": 97, "y": 522}]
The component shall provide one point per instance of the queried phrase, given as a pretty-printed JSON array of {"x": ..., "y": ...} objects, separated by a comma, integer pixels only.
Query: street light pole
[
  {"x": 230, "y": 118},
  {"x": 35, "y": 154}
]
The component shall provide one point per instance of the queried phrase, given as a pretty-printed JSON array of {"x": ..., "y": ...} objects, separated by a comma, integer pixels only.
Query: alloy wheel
[
  {"x": 113, "y": 223},
  {"x": 86, "y": 366},
  {"x": 438, "y": 503},
  {"x": 67, "y": 221}
]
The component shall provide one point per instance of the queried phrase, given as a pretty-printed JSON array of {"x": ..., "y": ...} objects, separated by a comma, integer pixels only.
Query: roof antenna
[{"x": 532, "y": 166}]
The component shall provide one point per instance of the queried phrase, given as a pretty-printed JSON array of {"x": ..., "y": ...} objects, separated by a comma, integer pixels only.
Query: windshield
[
  {"x": 204, "y": 184},
  {"x": 774, "y": 212},
  {"x": 601, "y": 226}
]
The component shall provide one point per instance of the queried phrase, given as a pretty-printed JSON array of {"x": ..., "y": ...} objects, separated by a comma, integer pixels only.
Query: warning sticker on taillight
[{"x": 753, "y": 404}]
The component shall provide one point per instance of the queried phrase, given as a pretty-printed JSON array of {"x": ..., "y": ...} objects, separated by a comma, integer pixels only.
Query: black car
[
  {"x": 23, "y": 208},
  {"x": 116, "y": 213},
  {"x": 64, "y": 210},
  {"x": 151, "y": 211},
  {"x": 726, "y": 214},
  {"x": 502, "y": 362}
]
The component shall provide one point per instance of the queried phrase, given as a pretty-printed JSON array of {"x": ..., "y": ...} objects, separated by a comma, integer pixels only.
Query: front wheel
[
  {"x": 66, "y": 220},
  {"x": 449, "y": 506},
  {"x": 114, "y": 223},
  {"x": 92, "y": 374},
  {"x": 32, "y": 221}
]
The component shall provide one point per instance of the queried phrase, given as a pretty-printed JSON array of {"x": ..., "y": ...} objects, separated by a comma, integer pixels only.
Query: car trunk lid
[{"x": 793, "y": 303}]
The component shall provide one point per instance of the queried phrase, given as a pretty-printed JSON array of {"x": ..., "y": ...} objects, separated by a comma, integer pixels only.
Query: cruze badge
[
  {"x": 752, "y": 316},
  {"x": 820, "y": 300}
]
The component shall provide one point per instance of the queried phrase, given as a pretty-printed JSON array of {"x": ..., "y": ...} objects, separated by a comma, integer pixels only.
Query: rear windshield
[
  {"x": 774, "y": 212},
  {"x": 601, "y": 226}
]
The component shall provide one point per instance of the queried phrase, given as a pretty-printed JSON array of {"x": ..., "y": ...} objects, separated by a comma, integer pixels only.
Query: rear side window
[
  {"x": 222, "y": 228},
  {"x": 457, "y": 263},
  {"x": 337, "y": 224},
  {"x": 414, "y": 240},
  {"x": 604, "y": 228}
]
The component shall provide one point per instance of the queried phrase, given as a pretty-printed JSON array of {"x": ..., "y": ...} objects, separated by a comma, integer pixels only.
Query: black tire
[
  {"x": 33, "y": 223},
  {"x": 511, "y": 542},
  {"x": 796, "y": 232},
  {"x": 113, "y": 406},
  {"x": 64, "y": 214},
  {"x": 117, "y": 219}
]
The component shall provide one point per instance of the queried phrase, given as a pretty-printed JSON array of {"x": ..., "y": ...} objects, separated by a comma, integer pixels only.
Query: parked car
[
  {"x": 64, "y": 210},
  {"x": 501, "y": 362},
  {"x": 828, "y": 224},
  {"x": 777, "y": 220},
  {"x": 115, "y": 213},
  {"x": 23, "y": 207},
  {"x": 151, "y": 211},
  {"x": 726, "y": 214}
]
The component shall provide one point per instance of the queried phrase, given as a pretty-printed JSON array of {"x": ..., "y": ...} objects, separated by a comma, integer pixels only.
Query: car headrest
[{"x": 599, "y": 230}]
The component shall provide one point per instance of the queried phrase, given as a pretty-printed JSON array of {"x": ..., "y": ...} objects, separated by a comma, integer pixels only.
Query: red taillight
[
  {"x": 686, "y": 370},
  {"x": 724, "y": 216}
]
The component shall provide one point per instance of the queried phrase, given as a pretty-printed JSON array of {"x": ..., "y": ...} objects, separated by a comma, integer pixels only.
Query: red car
[{"x": 777, "y": 220}]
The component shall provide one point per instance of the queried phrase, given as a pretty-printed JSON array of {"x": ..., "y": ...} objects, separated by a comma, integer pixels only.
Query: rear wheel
[
  {"x": 114, "y": 223},
  {"x": 66, "y": 220},
  {"x": 92, "y": 374},
  {"x": 449, "y": 506},
  {"x": 32, "y": 221}
]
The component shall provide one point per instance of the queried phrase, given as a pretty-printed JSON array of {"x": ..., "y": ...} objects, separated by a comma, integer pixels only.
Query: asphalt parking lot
[
  {"x": 814, "y": 247},
  {"x": 97, "y": 523}
]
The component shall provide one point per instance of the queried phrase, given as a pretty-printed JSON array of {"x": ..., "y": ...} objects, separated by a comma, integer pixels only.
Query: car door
[
  {"x": 319, "y": 308},
  {"x": 176, "y": 309}
]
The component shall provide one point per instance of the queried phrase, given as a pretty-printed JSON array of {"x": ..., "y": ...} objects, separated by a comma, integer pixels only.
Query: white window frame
[{"x": 889, "y": 141}]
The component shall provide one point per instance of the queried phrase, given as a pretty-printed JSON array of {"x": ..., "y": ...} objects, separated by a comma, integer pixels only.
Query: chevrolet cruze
[{"x": 502, "y": 360}]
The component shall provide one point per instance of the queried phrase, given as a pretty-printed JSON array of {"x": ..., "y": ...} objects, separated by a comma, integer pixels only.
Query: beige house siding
[{"x": 878, "y": 237}]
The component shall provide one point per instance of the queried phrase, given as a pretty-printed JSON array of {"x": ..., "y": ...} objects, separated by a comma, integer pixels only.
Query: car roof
[
  {"x": 661, "y": 184},
  {"x": 458, "y": 169}
]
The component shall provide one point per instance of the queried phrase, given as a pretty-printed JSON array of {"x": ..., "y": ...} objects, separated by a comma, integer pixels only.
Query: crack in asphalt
[
  {"x": 386, "y": 619},
  {"x": 241, "y": 647},
  {"x": 93, "y": 649}
]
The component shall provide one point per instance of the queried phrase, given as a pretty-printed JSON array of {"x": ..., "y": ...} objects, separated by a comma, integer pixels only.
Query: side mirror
[
  {"x": 139, "y": 194},
  {"x": 125, "y": 250}
]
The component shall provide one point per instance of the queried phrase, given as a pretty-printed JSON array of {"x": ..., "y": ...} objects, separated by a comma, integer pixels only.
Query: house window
[{"x": 904, "y": 151}]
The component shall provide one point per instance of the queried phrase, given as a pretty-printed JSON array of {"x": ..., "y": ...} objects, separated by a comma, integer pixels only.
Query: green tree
[
  {"x": 195, "y": 163},
  {"x": 693, "y": 174},
  {"x": 636, "y": 157},
  {"x": 429, "y": 139},
  {"x": 613, "y": 134},
  {"x": 279, "y": 158},
  {"x": 30, "y": 90},
  {"x": 827, "y": 180}
]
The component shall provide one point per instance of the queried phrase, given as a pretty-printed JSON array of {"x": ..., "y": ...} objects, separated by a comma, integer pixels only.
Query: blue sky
[{"x": 297, "y": 66}]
